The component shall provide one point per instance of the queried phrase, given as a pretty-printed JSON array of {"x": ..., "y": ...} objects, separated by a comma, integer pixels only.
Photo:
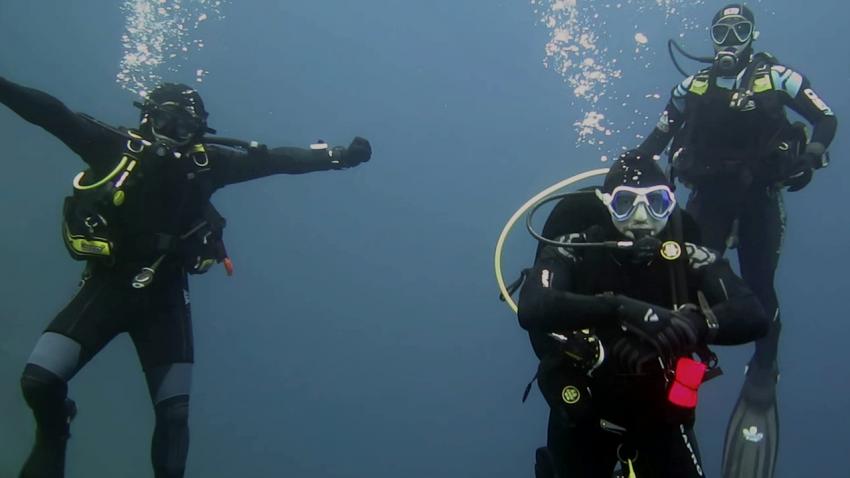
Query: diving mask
[
  {"x": 737, "y": 26},
  {"x": 624, "y": 200},
  {"x": 732, "y": 36},
  {"x": 172, "y": 121}
]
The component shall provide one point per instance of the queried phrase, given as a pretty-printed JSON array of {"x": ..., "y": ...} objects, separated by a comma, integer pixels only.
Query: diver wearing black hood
[
  {"x": 141, "y": 218},
  {"x": 734, "y": 146},
  {"x": 611, "y": 326}
]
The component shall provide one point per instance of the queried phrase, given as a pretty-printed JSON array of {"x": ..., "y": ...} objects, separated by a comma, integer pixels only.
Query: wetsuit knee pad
[
  {"x": 173, "y": 411},
  {"x": 544, "y": 466},
  {"x": 46, "y": 393},
  {"x": 40, "y": 386}
]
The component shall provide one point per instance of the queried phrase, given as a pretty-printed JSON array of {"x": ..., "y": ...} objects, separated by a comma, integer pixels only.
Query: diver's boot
[
  {"x": 752, "y": 437},
  {"x": 47, "y": 458}
]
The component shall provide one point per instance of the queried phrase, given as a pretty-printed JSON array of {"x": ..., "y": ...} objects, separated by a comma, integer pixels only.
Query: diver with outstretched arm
[
  {"x": 97, "y": 146},
  {"x": 734, "y": 146},
  {"x": 141, "y": 218},
  {"x": 615, "y": 329}
]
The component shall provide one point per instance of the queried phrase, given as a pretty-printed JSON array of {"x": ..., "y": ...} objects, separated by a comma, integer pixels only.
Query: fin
[
  {"x": 544, "y": 466},
  {"x": 752, "y": 437}
]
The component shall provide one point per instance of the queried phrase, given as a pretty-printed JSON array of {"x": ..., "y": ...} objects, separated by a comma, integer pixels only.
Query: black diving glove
[
  {"x": 815, "y": 155},
  {"x": 689, "y": 322},
  {"x": 359, "y": 151},
  {"x": 632, "y": 355},
  {"x": 671, "y": 333},
  {"x": 798, "y": 180},
  {"x": 801, "y": 171}
]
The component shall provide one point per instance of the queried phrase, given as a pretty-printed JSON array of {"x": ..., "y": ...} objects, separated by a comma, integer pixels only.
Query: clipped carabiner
[
  {"x": 631, "y": 469},
  {"x": 627, "y": 463},
  {"x": 146, "y": 275},
  {"x": 143, "y": 278}
]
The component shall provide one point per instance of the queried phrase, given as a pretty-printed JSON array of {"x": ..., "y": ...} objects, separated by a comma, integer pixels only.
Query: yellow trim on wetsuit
[
  {"x": 125, "y": 158},
  {"x": 97, "y": 246},
  {"x": 699, "y": 86},
  {"x": 762, "y": 83},
  {"x": 78, "y": 178}
]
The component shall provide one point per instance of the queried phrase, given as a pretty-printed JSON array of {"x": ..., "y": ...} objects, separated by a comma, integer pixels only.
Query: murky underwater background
[{"x": 361, "y": 335}]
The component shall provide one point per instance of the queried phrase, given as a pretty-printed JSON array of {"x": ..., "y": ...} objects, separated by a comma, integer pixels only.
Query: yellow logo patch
[
  {"x": 671, "y": 250},
  {"x": 570, "y": 394}
]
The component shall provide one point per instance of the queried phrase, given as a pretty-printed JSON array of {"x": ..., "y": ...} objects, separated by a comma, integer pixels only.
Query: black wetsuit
[
  {"x": 561, "y": 295},
  {"x": 736, "y": 161},
  {"x": 164, "y": 203},
  {"x": 733, "y": 160}
]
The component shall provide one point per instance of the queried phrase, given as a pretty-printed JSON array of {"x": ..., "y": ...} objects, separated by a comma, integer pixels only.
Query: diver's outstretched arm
[
  {"x": 233, "y": 167},
  {"x": 39, "y": 108},
  {"x": 547, "y": 305}
]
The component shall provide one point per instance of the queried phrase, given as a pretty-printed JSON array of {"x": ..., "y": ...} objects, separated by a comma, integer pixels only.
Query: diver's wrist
[
  {"x": 815, "y": 152},
  {"x": 336, "y": 157}
]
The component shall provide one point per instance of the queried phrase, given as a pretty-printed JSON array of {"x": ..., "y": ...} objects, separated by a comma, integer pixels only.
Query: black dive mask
[
  {"x": 732, "y": 37},
  {"x": 735, "y": 30},
  {"x": 173, "y": 122}
]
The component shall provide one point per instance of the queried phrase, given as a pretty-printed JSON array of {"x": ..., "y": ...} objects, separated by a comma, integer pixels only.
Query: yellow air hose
[
  {"x": 78, "y": 179},
  {"x": 500, "y": 244}
]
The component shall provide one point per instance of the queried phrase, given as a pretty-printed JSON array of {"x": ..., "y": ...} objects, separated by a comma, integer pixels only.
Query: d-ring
[{"x": 624, "y": 460}]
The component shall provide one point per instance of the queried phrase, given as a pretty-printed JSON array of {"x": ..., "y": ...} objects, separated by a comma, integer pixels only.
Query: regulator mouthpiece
[{"x": 726, "y": 62}]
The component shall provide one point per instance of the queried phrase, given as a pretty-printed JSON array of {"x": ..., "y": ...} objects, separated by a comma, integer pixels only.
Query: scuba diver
[
  {"x": 734, "y": 147},
  {"x": 141, "y": 217},
  {"x": 616, "y": 305}
]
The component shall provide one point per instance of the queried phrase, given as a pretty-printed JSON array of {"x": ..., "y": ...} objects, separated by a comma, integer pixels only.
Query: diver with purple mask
[{"x": 620, "y": 301}]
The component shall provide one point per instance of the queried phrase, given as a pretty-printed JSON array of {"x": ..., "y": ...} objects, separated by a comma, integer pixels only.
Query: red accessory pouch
[{"x": 688, "y": 378}]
